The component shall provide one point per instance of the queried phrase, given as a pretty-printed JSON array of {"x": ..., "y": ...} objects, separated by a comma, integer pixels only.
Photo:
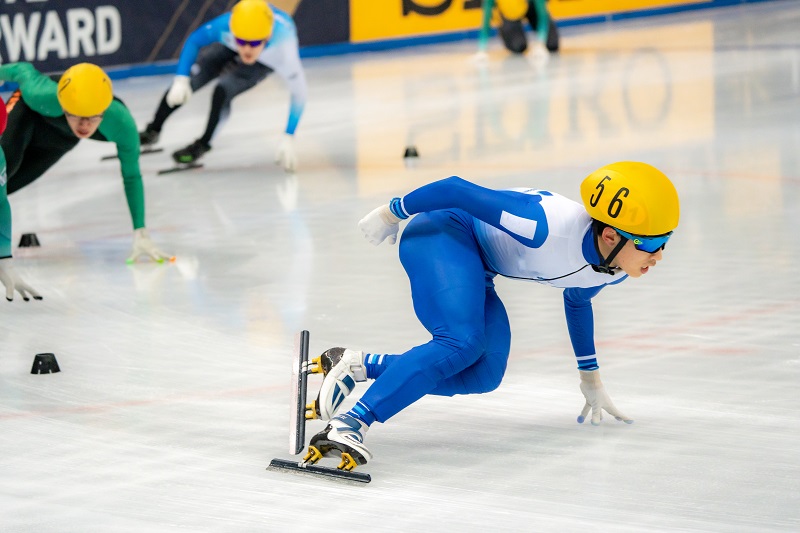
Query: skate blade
[
  {"x": 180, "y": 167},
  {"x": 144, "y": 151},
  {"x": 320, "y": 471}
]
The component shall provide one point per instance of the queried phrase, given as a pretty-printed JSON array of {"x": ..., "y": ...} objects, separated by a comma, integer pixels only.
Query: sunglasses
[
  {"x": 252, "y": 44},
  {"x": 646, "y": 244},
  {"x": 92, "y": 120}
]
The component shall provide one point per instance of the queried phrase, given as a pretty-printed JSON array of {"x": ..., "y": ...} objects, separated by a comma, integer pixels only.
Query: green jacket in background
[{"x": 5, "y": 211}]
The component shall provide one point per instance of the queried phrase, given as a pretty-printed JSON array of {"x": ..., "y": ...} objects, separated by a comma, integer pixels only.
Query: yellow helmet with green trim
[
  {"x": 252, "y": 20},
  {"x": 85, "y": 90},
  {"x": 634, "y": 197}
]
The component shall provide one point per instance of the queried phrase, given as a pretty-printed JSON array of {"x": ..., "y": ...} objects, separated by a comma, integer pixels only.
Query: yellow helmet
[
  {"x": 634, "y": 197},
  {"x": 512, "y": 9},
  {"x": 252, "y": 20},
  {"x": 85, "y": 90}
]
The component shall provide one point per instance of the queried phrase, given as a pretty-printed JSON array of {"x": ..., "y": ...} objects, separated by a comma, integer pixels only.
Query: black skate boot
[
  {"x": 148, "y": 137},
  {"x": 342, "y": 437},
  {"x": 191, "y": 153},
  {"x": 342, "y": 368}
]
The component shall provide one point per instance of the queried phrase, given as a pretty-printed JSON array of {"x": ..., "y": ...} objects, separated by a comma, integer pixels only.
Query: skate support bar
[{"x": 297, "y": 424}]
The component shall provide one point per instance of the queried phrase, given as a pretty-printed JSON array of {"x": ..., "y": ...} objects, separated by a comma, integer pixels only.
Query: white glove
[
  {"x": 180, "y": 92},
  {"x": 597, "y": 399},
  {"x": 142, "y": 245},
  {"x": 380, "y": 224},
  {"x": 538, "y": 55},
  {"x": 285, "y": 155},
  {"x": 13, "y": 282}
]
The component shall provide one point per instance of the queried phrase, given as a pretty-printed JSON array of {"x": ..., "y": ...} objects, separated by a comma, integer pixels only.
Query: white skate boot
[
  {"x": 343, "y": 436},
  {"x": 342, "y": 369}
]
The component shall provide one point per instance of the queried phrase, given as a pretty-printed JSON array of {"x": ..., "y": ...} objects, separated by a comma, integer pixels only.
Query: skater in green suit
[{"x": 48, "y": 119}]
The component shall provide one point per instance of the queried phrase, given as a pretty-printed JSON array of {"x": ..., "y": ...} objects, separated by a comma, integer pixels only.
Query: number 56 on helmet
[{"x": 634, "y": 197}]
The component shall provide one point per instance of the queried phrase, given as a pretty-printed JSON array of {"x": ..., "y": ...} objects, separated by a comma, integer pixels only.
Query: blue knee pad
[
  {"x": 419, "y": 371},
  {"x": 455, "y": 355}
]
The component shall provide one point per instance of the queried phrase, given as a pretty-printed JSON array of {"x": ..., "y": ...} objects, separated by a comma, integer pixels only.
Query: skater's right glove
[
  {"x": 597, "y": 399},
  {"x": 13, "y": 282},
  {"x": 142, "y": 245},
  {"x": 180, "y": 92},
  {"x": 538, "y": 55},
  {"x": 380, "y": 224}
]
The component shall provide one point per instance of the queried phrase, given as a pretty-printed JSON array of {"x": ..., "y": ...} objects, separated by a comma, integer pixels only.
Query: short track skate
[
  {"x": 144, "y": 151},
  {"x": 300, "y": 413},
  {"x": 180, "y": 167}
]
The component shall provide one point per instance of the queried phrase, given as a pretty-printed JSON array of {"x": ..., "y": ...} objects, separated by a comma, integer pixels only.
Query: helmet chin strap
[{"x": 605, "y": 263}]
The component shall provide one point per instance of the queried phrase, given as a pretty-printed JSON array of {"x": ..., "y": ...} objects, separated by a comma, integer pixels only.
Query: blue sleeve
[
  {"x": 295, "y": 112},
  {"x": 580, "y": 323},
  {"x": 517, "y": 214},
  {"x": 210, "y": 32}
]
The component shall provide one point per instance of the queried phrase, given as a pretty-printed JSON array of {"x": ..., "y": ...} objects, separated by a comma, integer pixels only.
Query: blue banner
[{"x": 55, "y": 34}]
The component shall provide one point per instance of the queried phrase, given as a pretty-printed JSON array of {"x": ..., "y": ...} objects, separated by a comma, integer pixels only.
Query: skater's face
[
  {"x": 633, "y": 262},
  {"x": 249, "y": 50},
  {"x": 83, "y": 127}
]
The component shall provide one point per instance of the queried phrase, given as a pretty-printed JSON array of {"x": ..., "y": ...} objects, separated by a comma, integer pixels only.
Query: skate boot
[
  {"x": 342, "y": 368},
  {"x": 148, "y": 137},
  {"x": 191, "y": 153},
  {"x": 342, "y": 437}
]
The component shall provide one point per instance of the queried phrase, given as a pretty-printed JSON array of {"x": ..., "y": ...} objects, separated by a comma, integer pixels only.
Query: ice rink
[{"x": 173, "y": 394}]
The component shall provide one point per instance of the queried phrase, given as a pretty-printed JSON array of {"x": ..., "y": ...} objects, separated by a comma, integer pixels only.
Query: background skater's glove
[
  {"x": 380, "y": 224},
  {"x": 180, "y": 92},
  {"x": 597, "y": 399},
  {"x": 142, "y": 245},
  {"x": 538, "y": 55},
  {"x": 13, "y": 282},
  {"x": 285, "y": 155}
]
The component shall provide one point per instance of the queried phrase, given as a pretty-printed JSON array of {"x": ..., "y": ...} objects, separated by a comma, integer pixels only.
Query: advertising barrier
[{"x": 145, "y": 36}]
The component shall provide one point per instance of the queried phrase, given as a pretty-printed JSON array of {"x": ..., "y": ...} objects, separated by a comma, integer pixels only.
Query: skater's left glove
[
  {"x": 379, "y": 225},
  {"x": 285, "y": 155},
  {"x": 597, "y": 399},
  {"x": 142, "y": 245},
  {"x": 12, "y": 282},
  {"x": 180, "y": 91},
  {"x": 538, "y": 55}
]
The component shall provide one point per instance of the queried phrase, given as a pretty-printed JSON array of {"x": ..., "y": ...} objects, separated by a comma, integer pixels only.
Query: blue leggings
[{"x": 456, "y": 302}]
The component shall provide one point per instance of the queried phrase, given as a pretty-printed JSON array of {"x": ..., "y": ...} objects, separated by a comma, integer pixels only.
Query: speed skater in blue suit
[{"x": 460, "y": 238}]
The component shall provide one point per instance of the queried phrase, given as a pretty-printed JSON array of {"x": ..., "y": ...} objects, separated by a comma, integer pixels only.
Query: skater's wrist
[{"x": 397, "y": 208}]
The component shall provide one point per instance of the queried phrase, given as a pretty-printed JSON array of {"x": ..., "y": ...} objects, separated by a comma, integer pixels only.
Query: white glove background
[
  {"x": 12, "y": 282},
  {"x": 538, "y": 54},
  {"x": 180, "y": 92},
  {"x": 380, "y": 224},
  {"x": 597, "y": 399},
  {"x": 142, "y": 245},
  {"x": 285, "y": 156}
]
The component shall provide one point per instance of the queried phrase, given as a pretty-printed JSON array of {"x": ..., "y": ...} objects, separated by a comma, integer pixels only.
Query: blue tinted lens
[
  {"x": 646, "y": 244},
  {"x": 254, "y": 44}
]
